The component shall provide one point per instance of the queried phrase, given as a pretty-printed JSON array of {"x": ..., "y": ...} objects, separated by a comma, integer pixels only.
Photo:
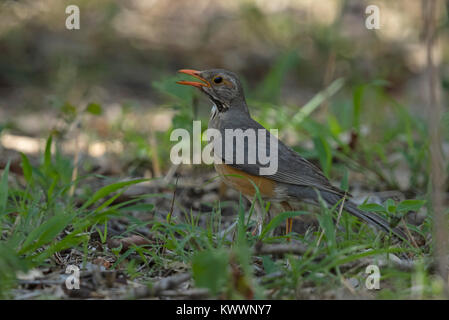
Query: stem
[{"x": 437, "y": 169}]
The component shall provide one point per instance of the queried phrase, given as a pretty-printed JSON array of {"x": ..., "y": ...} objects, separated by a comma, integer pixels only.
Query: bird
[{"x": 296, "y": 179}]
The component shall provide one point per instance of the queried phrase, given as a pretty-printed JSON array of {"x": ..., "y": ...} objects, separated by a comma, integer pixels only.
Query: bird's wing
[{"x": 291, "y": 169}]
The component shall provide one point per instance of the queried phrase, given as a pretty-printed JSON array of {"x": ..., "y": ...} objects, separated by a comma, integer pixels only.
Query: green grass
[{"x": 40, "y": 216}]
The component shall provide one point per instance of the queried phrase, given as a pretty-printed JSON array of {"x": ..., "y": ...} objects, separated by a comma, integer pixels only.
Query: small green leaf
[
  {"x": 107, "y": 190},
  {"x": 70, "y": 241},
  {"x": 324, "y": 154},
  {"x": 372, "y": 207},
  {"x": 47, "y": 154},
  {"x": 45, "y": 233},
  {"x": 344, "y": 185},
  {"x": 10, "y": 263},
  {"x": 94, "y": 108},
  {"x": 121, "y": 257},
  {"x": 269, "y": 265},
  {"x": 27, "y": 169},
  {"x": 334, "y": 126},
  {"x": 390, "y": 206},
  {"x": 69, "y": 111},
  {"x": 410, "y": 205}
]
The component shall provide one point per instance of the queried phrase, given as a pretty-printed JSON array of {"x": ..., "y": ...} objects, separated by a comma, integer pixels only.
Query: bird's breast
[{"x": 245, "y": 182}]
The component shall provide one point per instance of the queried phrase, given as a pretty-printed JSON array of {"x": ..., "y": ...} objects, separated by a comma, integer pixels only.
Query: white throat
[{"x": 213, "y": 111}]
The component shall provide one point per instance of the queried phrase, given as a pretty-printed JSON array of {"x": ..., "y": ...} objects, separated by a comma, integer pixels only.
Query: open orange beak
[{"x": 196, "y": 74}]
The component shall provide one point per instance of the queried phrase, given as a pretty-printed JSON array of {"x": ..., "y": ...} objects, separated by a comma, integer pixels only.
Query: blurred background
[
  {"x": 83, "y": 109},
  {"x": 122, "y": 63}
]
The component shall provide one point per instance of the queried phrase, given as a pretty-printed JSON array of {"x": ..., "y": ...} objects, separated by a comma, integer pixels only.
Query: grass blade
[
  {"x": 107, "y": 190},
  {"x": 27, "y": 169},
  {"x": 4, "y": 188},
  {"x": 317, "y": 100}
]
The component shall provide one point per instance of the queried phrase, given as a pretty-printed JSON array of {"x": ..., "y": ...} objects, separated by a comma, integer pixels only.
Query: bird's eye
[{"x": 218, "y": 79}]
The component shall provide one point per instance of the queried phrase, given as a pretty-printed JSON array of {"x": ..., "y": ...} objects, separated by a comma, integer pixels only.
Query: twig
[
  {"x": 348, "y": 285},
  {"x": 297, "y": 248},
  {"x": 340, "y": 210},
  {"x": 171, "y": 211},
  {"x": 47, "y": 282},
  {"x": 196, "y": 293},
  {"x": 172, "y": 202},
  {"x": 160, "y": 286},
  {"x": 319, "y": 239},
  {"x": 171, "y": 172},
  {"x": 409, "y": 234},
  {"x": 301, "y": 249}
]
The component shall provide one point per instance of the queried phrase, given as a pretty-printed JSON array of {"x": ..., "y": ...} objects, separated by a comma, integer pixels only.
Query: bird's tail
[{"x": 369, "y": 217}]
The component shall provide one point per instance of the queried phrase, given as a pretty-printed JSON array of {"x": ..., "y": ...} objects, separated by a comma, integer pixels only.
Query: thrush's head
[{"x": 221, "y": 86}]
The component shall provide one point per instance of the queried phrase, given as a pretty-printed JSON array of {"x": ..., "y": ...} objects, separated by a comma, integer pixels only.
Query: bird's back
[{"x": 291, "y": 167}]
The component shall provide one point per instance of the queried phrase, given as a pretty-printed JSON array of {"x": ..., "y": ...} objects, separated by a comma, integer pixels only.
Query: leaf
[
  {"x": 269, "y": 265},
  {"x": 334, "y": 126},
  {"x": 344, "y": 185},
  {"x": 69, "y": 241},
  {"x": 410, "y": 205},
  {"x": 241, "y": 231},
  {"x": 94, "y": 108},
  {"x": 27, "y": 169},
  {"x": 108, "y": 202},
  {"x": 123, "y": 256},
  {"x": 327, "y": 223},
  {"x": 4, "y": 188},
  {"x": 372, "y": 207},
  {"x": 10, "y": 264},
  {"x": 390, "y": 206},
  {"x": 47, "y": 154},
  {"x": 107, "y": 190},
  {"x": 46, "y": 232},
  {"x": 324, "y": 154},
  {"x": 69, "y": 112}
]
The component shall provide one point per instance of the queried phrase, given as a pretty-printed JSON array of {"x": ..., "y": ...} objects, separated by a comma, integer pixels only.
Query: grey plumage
[
  {"x": 296, "y": 178},
  {"x": 301, "y": 178}
]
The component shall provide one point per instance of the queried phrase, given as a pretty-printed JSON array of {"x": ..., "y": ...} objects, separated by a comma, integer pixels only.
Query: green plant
[{"x": 33, "y": 217}]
